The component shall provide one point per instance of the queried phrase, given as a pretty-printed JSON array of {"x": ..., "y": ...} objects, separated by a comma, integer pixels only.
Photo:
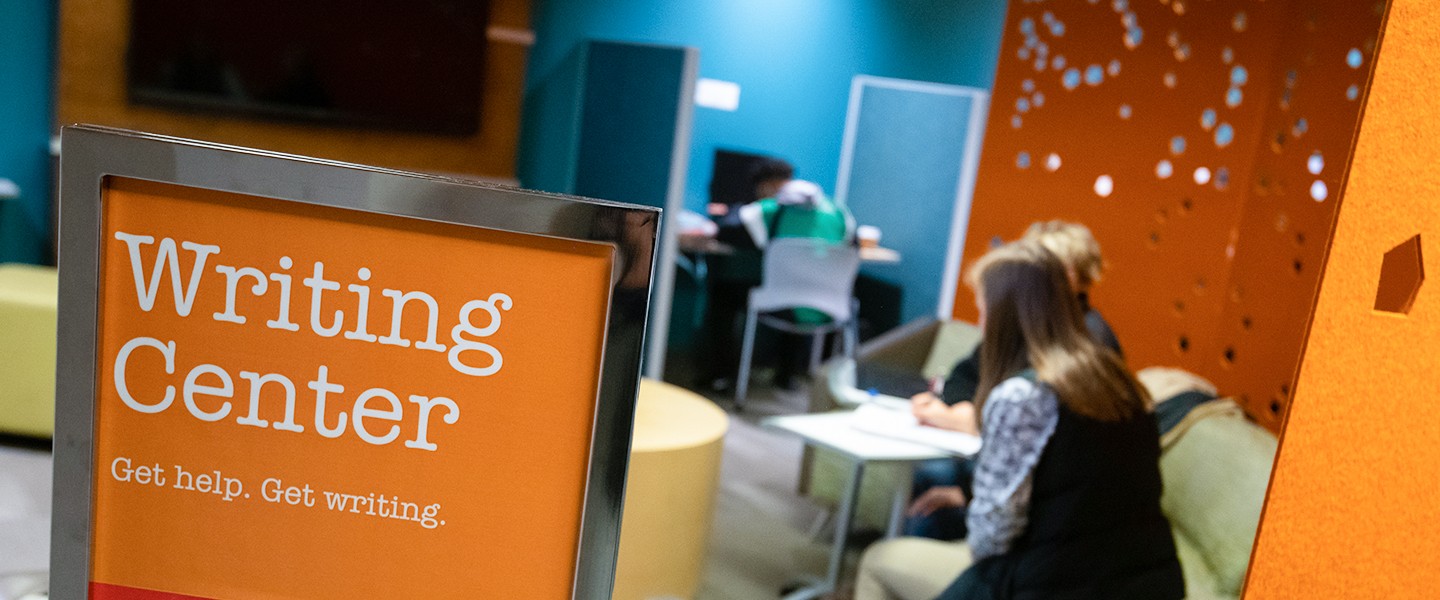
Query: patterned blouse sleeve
[{"x": 1019, "y": 418}]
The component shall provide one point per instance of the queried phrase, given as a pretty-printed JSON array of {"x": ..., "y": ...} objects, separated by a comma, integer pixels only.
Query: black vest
[{"x": 1095, "y": 528}]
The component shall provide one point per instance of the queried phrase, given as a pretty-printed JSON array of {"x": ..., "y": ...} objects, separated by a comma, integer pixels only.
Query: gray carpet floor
[{"x": 760, "y": 540}]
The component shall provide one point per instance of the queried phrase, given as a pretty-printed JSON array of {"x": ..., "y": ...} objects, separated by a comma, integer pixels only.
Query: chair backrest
[{"x": 807, "y": 273}]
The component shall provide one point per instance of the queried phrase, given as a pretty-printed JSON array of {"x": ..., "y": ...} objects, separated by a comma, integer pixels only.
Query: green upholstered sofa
[
  {"x": 27, "y": 350},
  {"x": 1216, "y": 466},
  {"x": 1216, "y": 474}
]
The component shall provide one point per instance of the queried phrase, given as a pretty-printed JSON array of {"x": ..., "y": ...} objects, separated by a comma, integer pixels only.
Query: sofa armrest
[{"x": 905, "y": 348}]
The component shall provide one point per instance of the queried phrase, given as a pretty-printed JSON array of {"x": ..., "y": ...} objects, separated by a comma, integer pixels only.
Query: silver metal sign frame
[{"x": 90, "y": 154}]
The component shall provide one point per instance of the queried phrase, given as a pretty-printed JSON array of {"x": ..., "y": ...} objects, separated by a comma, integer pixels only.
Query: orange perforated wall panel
[
  {"x": 1181, "y": 132},
  {"x": 1351, "y": 506}
]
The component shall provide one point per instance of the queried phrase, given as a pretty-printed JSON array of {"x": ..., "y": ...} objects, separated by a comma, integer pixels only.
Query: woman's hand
[
  {"x": 937, "y": 498},
  {"x": 929, "y": 410},
  {"x": 920, "y": 403}
]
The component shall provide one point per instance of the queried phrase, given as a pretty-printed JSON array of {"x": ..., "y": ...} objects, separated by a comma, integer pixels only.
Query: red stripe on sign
[{"x": 105, "y": 591}]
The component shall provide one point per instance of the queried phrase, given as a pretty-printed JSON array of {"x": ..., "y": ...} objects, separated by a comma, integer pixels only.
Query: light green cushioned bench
[
  {"x": 27, "y": 350},
  {"x": 1215, "y": 479}
]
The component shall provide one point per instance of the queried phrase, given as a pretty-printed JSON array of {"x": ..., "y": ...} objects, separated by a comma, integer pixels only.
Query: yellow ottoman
[
  {"x": 27, "y": 349},
  {"x": 669, "y": 494}
]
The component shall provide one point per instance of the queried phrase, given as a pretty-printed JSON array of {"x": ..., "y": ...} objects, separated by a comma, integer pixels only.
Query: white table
[{"x": 833, "y": 431}]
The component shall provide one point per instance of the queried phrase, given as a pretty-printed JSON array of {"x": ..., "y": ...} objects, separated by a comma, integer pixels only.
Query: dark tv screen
[{"x": 412, "y": 64}]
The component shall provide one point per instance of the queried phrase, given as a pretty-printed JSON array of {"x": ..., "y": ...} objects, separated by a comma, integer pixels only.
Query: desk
[
  {"x": 833, "y": 431},
  {"x": 703, "y": 245}
]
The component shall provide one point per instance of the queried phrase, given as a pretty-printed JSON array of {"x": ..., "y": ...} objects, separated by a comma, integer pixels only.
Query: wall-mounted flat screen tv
[{"x": 400, "y": 64}]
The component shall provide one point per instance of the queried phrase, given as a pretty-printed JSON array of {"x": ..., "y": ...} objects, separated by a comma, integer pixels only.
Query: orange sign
[{"x": 302, "y": 401}]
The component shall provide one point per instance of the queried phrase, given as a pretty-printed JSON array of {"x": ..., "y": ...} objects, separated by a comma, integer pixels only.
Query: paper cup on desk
[{"x": 869, "y": 236}]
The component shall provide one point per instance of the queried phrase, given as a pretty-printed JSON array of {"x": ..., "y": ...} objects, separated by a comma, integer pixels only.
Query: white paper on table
[{"x": 900, "y": 424}]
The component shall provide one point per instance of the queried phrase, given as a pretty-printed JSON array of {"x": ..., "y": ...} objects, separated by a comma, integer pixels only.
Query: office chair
[{"x": 802, "y": 273}]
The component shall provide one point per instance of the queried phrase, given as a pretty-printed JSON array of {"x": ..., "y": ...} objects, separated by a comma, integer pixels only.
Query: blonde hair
[
  {"x": 1073, "y": 244},
  {"x": 1033, "y": 320}
]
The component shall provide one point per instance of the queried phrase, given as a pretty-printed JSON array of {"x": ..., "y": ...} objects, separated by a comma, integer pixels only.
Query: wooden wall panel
[
  {"x": 91, "y": 89},
  {"x": 1148, "y": 121},
  {"x": 1351, "y": 511}
]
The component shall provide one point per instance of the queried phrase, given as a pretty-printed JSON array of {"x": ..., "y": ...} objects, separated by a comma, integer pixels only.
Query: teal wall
[
  {"x": 793, "y": 60},
  {"x": 27, "y": 58}
]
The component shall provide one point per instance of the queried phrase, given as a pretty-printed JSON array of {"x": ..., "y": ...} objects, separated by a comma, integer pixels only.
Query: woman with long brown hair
[{"x": 1066, "y": 494}]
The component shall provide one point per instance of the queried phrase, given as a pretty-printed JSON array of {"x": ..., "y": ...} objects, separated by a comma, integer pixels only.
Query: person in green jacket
[{"x": 799, "y": 209}]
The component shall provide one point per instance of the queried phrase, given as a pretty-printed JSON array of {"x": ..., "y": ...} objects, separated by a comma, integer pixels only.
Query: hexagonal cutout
[{"x": 1401, "y": 275}]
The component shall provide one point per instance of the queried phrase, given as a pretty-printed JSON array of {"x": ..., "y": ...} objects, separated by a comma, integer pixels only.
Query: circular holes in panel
[
  {"x": 1301, "y": 127},
  {"x": 1052, "y": 162},
  {"x": 1315, "y": 163},
  {"x": 1104, "y": 185},
  {"x": 1125, "y": 111},
  {"x": 1319, "y": 191},
  {"x": 1224, "y": 134},
  {"x": 1164, "y": 169},
  {"x": 1177, "y": 145},
  {"x": 1094, "y": 74},
  {"x": 1354, "y": 58},
  {"x": 1202, "y": 175},
  {"x": 1022, "y": 160},
  {"x": 1222, "y": 179},
  {"x": 1133, "y": 37},
  {"x": 1239, "y": 76},
  {"x": 1071, "y": 78}
]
